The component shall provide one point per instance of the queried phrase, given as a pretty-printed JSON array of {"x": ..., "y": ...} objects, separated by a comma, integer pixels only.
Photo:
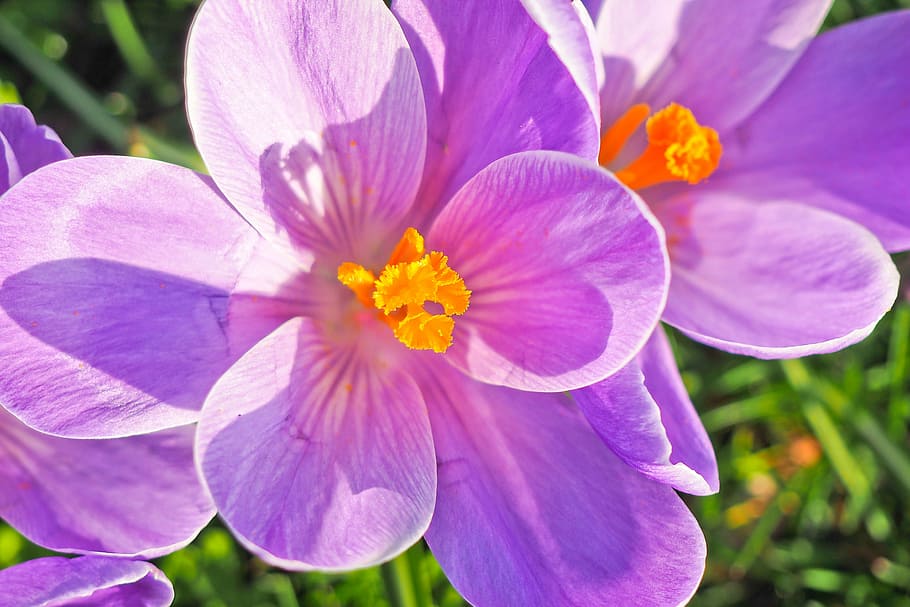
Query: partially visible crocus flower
[
  {"x": 87, "y": 495},
  {"x": 764, "y": 153},
  {"x": 24, "y": 145},
  {"x": 381, "y": 296},
  {"x": 768, "y": 159},
  {"x": 86, "y": 581}
]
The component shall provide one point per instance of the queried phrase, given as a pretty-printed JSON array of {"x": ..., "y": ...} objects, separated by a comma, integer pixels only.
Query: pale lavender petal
[
  {"x": 774, "y": 279},
  {"x": 135, "y": 496},
  {"x": 114, "y": 283},
  {"x": 87, "y": 581},
  {"x": 567, "y": 270},
  {"x": 836, "y": 133},
  {"x": 534, "y": 510},
  {"x": 574, "y": 40},
  {"x": 717, "y": 57},
  {"x": 645, "y": 416},
  {"x": 318, "y": 456},
  {"x": 25, "y": 146},
  {"x": 309, "y": 116},
  {"x": 495, "y": 83}
]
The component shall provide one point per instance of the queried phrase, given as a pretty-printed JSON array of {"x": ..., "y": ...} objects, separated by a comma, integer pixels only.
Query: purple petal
[
  {"x": 574, "y": 40},
  {"x": 86, "y": 581},
  {"x": 497, "y": 81},
  {"x": 311, "y": 118},
  {"x": 25, "y": 146},
  {"x": 95, "y": 495},
  {"x": 533, "y": 509},
  {"x": 113, "y": 304},
  {"x": 318, "y": 456},
  {"x": 645, "y": 416},
  {"x": 775, "y": 279},
  {"x": 717, "y": 57},
  {"x": 836, "y": 133},
  {"x": 567, "y": 270}
]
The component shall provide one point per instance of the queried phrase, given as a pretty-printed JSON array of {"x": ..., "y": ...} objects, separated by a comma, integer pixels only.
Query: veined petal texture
[
  {"x": 323, "y": 95},
  {"x": 318, "y": 457},
  {"x": 499, "y": 77},
  {"x": 534, "y": 510},
  {"x": 775, "y": 278},
  {"x": 567, "y": 267}
]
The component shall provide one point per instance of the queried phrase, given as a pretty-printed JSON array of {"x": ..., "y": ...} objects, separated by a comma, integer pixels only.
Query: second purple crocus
[{"x": 774, "y": 161}]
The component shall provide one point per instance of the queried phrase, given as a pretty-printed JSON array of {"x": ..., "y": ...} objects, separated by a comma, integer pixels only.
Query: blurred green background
[{"x": 814, "y": 507}]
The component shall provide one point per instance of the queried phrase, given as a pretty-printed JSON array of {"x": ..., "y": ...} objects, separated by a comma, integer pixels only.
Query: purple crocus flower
[
  {"x": 381, "y": 297},
  {"x": 86, "y": 581},
  {"x": 85, "y": 495},
  {"x": 25, "y": 146},
  {"x": 763, "y": 163},
  {"x": 773, "y": 161}
]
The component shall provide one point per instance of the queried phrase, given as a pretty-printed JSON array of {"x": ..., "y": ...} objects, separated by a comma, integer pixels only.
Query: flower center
[
  {"x": 679, "y": 148},
  {"x": 411, "y": 279}
]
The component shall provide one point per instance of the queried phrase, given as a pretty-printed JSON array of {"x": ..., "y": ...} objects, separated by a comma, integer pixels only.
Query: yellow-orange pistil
[
  {"x": 679, "y": 148},
  {"x": 409, "y": 280}
]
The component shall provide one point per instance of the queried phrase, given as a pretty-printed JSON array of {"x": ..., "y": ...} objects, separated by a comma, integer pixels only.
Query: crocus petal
[
  {"x": 534, "y": 510},
  {"x": 645, "y": 416},
  {"x": 25, "y": 146},
  {"x": 316, "y": 456},
  {"x": 496, "y": 81},
  {"x": 574, "y": 40},
  {"x": 835, "y": 133},
  {"x": 717, "y": 57},
  {"x": 775, "y": 279},
  {"x": 113, "y": 304},
  {"x": 87, "y": 581},
  {"x": 309, "y": 115},
  {"x": 567, "y": 269},
  {"x": 94, "y": 495}
]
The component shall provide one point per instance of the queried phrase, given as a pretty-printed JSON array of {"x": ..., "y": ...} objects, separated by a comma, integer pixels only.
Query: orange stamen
[
  {"x": 358, "y": 279},
  {"x": 613, "y": 141},
  {"x": 409, "y": 248},
  {"x": 411, "y": 279},
  {"x": 679, "y": 148}
]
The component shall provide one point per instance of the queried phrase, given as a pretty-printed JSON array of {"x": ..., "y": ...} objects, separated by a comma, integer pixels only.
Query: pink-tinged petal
[
  {"x": 114, "y": 282},
  {"x": 836, "y": 133},
  {"x": 717, "y": 57},
  {"x": 93, "y": 496},
  {"x": 534, "y": 510},
  {"x": 496, "y": 81},
  {"x": 25, "y": 146},
  {"x": 567, "y": 269},
  {"x": 310, "y": 118},
  {"x": 87, "y": 581},
  {"x": 317, "y": 456},
  {"x": 644, "y": 415},
  {"x": 774, "y": 279}
]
